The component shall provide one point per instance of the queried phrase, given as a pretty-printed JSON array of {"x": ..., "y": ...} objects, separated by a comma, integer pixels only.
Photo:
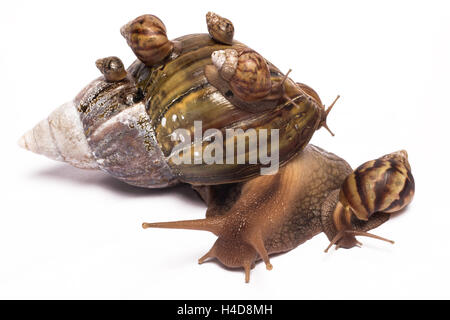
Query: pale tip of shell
[
  {"x": 22, "y": 143},
  {"x": 218, "y": 58},
  {"x": 404, "y": 153}
]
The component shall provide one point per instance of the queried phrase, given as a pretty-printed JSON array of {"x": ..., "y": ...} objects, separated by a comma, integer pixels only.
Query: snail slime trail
[{"x": 213, "y": 151}]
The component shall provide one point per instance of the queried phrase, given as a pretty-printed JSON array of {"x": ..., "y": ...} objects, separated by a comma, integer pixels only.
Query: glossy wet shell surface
[{"x": 177, "y": 93}]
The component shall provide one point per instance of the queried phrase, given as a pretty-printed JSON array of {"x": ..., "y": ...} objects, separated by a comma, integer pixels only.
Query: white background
[{"x": 69, "y": 233}]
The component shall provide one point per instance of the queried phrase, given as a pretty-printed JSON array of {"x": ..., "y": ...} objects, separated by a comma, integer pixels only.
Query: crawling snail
[
  {"x": 271, "y": 214},
  {"x": 128, "y": 122}
]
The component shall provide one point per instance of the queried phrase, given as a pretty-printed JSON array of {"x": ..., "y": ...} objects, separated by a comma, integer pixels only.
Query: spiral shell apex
[
  {"x": 146, "y": 36},
  {"x": 382, "y": 185},
  {"x": 226, "y": 62}
]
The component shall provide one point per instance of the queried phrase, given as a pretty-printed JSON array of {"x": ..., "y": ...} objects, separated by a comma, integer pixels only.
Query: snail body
[
  {"x": 272, "y": 214},
  {"x": 268, "y": 214}
]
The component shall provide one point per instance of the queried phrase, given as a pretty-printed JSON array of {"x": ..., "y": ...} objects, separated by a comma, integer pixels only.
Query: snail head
[{"x": 324, "y": 111}]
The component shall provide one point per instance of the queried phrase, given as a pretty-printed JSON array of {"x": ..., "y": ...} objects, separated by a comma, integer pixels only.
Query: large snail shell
[
  {"x": 382, "y": 185},
  {"x": 179, "y": 94},
  {"x": 146, "y": 36},
  {"x": 126, "y": 127}
]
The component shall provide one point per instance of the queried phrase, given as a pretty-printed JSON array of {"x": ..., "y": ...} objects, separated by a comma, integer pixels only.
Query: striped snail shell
[
  {"x": 382, "y": 185},
  {"x": 146, "y": 36},
  {"x": 246, "y": 71},
  {"x": 220, "y": 29},
  {"x": 112, "y": 68}
]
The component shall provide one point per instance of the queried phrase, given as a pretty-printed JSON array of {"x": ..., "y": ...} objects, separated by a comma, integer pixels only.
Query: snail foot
[{"x": 232, "y": 248}]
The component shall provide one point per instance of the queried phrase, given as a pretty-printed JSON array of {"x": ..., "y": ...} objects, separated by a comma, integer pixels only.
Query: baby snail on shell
[
  {"x": 127, "y": 123},
  {"x": 112, "y": 68},
  {"x": 221, "y": 29},
  {"x": 146, "y": 36}
]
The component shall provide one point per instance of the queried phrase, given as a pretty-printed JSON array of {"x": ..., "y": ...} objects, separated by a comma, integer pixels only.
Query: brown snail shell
[
  {"x": 220, "y": 29},
  {"x": 126, "y": 127},
  {"x": 382, "y": 185},
  {"x": 112, "y": 68},
  {"x": 247, "y": 73},
  {"x": 146, "y": 36}
]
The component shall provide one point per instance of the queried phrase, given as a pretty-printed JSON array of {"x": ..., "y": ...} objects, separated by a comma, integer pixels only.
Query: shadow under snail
[{"x": 124, "y": 123}]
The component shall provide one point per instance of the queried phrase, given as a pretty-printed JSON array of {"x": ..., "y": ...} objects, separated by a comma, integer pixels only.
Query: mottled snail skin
[
  {"x": 146, "y": 36},
  {"x": 370, "y": 193},
  {"x": 226, "y": 62},
  {"x": 220, "y": 29},
  {"x": 112, "y": 68},
  {"x": 268, "y": 214},
  {"x": 272, "y": 214}
]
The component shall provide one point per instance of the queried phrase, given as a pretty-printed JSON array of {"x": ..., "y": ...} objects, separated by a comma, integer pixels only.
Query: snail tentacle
[{"x": 342, "y": 233}]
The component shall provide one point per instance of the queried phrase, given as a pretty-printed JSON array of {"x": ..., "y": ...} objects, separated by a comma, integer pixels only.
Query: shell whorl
[
  {"x": 226, "y": 62},
  {"x": 382, "y": 185},
  {"x": 112, "y": 68},
  {"x": 146, "y": 36},
  {"x": 251, "y": 80},
  {"x": 246, "y": 71},
  {"x": 61, "y": 137}
]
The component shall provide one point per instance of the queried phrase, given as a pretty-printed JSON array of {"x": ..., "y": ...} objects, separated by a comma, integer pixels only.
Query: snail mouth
[{"x": 60, "y": 137}]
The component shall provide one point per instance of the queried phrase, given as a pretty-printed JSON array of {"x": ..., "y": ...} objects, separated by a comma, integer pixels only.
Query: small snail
[
  {"x": 124, "y": 123},
  {"x": 245, "y": 78},
  {"x": 220, "y": 29},
  {"x": 112, "y": 68},
  {"x": 380, "y": 186},
  {"x": 146, "y": 35}
]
